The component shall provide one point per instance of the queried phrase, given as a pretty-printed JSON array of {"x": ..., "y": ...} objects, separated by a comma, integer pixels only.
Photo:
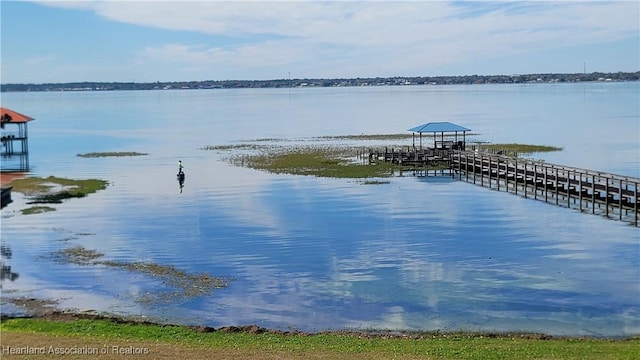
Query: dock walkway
[
  {"x": 611, "y": 195},
  {"x": 597, "y": 192},
  {"x": 410, "y": 156}
]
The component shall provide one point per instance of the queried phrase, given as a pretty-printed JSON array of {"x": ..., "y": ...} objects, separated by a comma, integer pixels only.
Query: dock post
[
  {"x": 620, "y": 200},
  {"x": 580, "y": 191},
  {"x": 535, "y": 181},
  {"x": 524, "y": 180},
  {"x": 606, "y": 198},
  {"x": 546, "y": 184},
  {"x": 459, "y": 165},
  {"x": 474, "y": 168},
  {"x": 481, "y": 170},
  {"x": 515, "y": 176},
  {"x": 498, "y": 174},
  {"x": 569, "y": 174},
  {"x": 490, "y": 170},
  {"x": 593, "y": 194},
  {"x": 557, "y": 185},
  {"x": 635, "y": 204},
  {"x": 466, "y": 167}
]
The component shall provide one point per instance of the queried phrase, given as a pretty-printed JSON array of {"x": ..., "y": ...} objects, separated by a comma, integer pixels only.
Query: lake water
[{"x": 314, "y": 253}]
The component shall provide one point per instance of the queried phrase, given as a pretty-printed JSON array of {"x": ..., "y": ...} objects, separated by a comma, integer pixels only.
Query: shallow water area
[{"x": 315, "y": 253}]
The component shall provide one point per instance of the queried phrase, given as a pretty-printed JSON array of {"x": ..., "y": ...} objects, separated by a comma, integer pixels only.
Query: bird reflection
[{"x": 181, "y": 181}]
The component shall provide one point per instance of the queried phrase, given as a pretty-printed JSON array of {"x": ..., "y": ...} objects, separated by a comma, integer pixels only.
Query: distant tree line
[{"x": 288, "y": 83}]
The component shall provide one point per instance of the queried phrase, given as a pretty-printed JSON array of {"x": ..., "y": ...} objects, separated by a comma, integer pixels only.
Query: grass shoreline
[{"x": 259, "y": 343}]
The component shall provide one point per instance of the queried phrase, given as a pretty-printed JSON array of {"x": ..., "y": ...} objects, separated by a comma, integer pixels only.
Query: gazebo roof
[
  {"x": 8, "y": 115},
  {"x": 434, "y": 127}
]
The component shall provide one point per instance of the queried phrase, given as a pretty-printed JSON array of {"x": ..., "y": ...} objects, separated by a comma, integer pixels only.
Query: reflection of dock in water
[
  {"x": 5, "y": 270},
  {"x": 6, "y": 196},
  {"x": 610, "y": 195}
]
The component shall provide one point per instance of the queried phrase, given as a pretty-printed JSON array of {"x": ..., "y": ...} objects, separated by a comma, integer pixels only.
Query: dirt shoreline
[{"x": 8, "y": 177}]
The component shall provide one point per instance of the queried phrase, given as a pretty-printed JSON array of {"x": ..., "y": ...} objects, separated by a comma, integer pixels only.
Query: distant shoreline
[{"x": 340, "y": 82}]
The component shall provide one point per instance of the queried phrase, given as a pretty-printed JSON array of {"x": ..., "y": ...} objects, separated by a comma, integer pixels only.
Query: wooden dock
[
  {"x": 410, "y": 156},
  {"x": 14, "y": 148},
  {"x": 610, "y": 195}
]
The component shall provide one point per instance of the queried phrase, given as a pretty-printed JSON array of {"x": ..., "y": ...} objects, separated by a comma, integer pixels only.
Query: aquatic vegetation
[
  {"x": 232, "y": 147},
  {"x": 375, "y": 182},
  {"x": 329, "y": 159},
  {"x": 189, "y": 285},
  {"x": 520, "y": 148},
  {"x": 54, "y": 189},
  {"x": 368, "y": 137},
  {"x": 76, "y": 255},
  {"x": 111, "y": 154},
  {"x": 186, "y": 285},
  {"x": 36, "y": 210},
  {"x": 335, "y": 162}
]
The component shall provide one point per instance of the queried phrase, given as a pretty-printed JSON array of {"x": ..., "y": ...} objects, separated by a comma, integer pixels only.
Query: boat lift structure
[{"x": 15, "y": 140}]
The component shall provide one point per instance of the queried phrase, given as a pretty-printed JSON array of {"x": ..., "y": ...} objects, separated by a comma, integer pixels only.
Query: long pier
[{"x": 613, "y": 196}]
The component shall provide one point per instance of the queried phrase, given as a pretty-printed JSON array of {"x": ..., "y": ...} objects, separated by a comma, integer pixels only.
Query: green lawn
[{"x": 435, "y": 345}]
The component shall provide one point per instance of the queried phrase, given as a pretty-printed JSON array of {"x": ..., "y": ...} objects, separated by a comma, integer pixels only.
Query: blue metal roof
[{"x": 434, "y": 127}]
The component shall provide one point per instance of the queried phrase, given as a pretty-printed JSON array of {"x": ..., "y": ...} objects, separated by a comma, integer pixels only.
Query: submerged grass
[
  {"x": 187, "y": 285},
  {"x": 335, "y": 162},
  {"x": 334, "y": 345},
  {"x": 233, "y": 147},
  {"x": 316, "y": 160},
  {"x": 76, "y": 255},
  {"x": 368, "y": 137},
  {"x": 376, "y": 182},
  {"x": 36, "y": 210},
  {"x": 111, "y": 154},
  {"x": 190, "y": 285},
  {"x": 521, "y": 148}
]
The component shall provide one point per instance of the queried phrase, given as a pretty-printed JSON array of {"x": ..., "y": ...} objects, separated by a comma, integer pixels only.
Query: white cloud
[
  {"x": 268, "y": 53},
  {"x": 371, "y": 22},
  {"x": 367, "y": 38}
]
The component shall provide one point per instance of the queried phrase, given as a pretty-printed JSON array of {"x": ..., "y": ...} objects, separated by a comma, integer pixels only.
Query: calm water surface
[{"x": 313, "y": 254}]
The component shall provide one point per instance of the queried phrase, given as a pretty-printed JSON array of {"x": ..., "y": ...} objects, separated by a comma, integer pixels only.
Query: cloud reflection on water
[{"x": 312, "y": 253}]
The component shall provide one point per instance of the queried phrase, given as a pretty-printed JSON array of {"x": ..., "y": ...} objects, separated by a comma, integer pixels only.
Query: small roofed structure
[
  {"x": 442, "y": 128},
  {"x": 11, "y": 138}
]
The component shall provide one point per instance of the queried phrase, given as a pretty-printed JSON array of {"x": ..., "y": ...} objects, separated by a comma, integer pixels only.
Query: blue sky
[{"x": 148, "y": 41}]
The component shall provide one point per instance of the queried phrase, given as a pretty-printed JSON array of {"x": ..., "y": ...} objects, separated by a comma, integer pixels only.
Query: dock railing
[{"x": 612, "y": 195}]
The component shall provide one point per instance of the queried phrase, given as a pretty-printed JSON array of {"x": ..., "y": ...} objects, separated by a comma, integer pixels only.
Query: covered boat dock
[
  {"x": 15, "y": 140},
  {"x": 446, "y": 139}
]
